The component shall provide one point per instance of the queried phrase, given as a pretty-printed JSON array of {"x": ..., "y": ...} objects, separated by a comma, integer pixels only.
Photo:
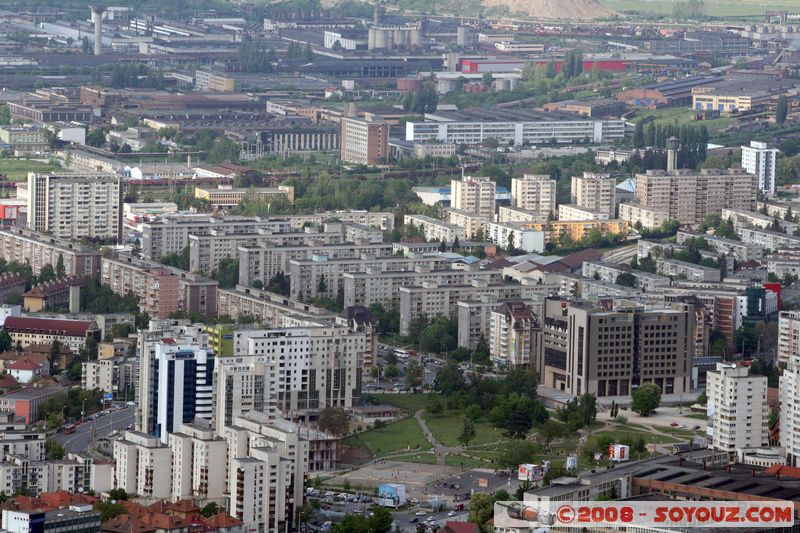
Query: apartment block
[
  {"x": 784, "y": 262},
  {"x": 761, "y": 160},
  {"x": 270, "y": 309},
  {"x": 788, "y": 337},
  {"x": 789, "y": 356},
  {"x": 432, "y": 300},
  {"x": 645, "y": 281},
  {"x": 686, "y": 270},
  {"x": 377, "y": 286},
  {"x": 507, "y": 214},
  {"x": 474, "y": 195},
  {"x": 321, "y": 367},
  {"x": 262, "y": 262},
  {"x": 642, "y": 217},
  {"x": 474, "y": 225},
  {"x": 753, "y": 219},
  {"x": 738, "y": 412},
  {"x": 574, "y": 212},
  {"x": 364, "y": 142},
  {"x": 595, "y": 192},
  {"x": 555, "y": 230},
  {"x": 161, "y": 290},
  {"x": 436, "y": 230},
  {"x": 323, "y": 277},
  {"x": 377, "y": 219},
  {"x": 116, "y": 375},
  {"x": 604, "y": 351},
  {"x": 142, "y": 465},
  {"x": 75, "y": 206},
  {"x": 513, "y": 335},
  {"x": 516, "y": 235},
  {"x": 743, "y": 252},
  {"x": 535, "y": 193},
  {"x": 39, "y": 249},
  {"x": 475, "y": 317},
  {"x": 199, "y": 459},
  {"x": 170, "y": 235},
  {"x": 27, "y": 330},
  {"x": 689, "y": 197},
  {"x": 767, "y": 239}
]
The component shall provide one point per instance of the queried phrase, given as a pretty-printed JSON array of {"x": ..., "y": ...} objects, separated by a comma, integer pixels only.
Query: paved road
[{"x": 101, "y": 427}]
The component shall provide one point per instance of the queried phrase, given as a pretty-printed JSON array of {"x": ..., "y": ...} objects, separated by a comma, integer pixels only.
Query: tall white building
[
  {"x": 474, "y": 195},
  {"x": 761, "y": 160},
  {"x": 199, "y": 460},
  {"x": 142, "y": 465},
  {"x": 535, "y": 193},
  {"x": 788, "y": 336},
  {"x": 511, "y": 334},
  {"x": 596, "y": 192},
  {"x": 74, "y": 206},
  {"x": 738, "y": 413}
]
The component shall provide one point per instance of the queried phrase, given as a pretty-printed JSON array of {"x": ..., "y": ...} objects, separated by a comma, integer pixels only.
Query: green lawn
[
  {"x": 714, "y": 8},
  {"x": 683, "y": 115},
  {"x": 409, "y": 402},
  {"x": 404, "y": 435},
  {"x": 447, "y": 427},
  {"x": 457, "y": 459},
  {"x": 427, "y": 458},
  {"x": 17, "y": 169}
]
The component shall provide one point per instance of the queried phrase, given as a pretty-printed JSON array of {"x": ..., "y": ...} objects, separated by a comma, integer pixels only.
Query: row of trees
[{"x": 254, "y": 56}]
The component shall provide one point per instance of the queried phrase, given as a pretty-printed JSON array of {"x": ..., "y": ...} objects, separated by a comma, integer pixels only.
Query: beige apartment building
[
  {"x": 535, "y": 193},
  {"x": 364, "y": 142},
  {"x": 513, "y": 335},
  {"x": 474, "y": 225},
  {"x": 75, "y": 206},
  {"x": 474, "y": 195},
  {"x": 225, "y": 196},
  {"x": 595, "y": 192},
  {"x": 198, "y": 463},
  {"x": 434, "y": 229}
]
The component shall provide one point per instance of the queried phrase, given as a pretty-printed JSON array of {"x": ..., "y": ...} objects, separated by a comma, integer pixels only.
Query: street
[{"x": 94, "y": 429}]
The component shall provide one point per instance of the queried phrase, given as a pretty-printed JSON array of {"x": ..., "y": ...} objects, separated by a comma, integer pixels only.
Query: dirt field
[{"x": 413, "y": 476}]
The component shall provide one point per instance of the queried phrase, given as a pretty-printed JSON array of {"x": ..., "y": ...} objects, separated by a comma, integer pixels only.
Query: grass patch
[
  {"x": 403, "y": 435},
  {"x": 457, "y": 459},
  {"x": 409, "y": 402},
  {"x": 447, "y": 428},
  {"x": 17, "y": 169},
  {"x": 681, "y": 116}
]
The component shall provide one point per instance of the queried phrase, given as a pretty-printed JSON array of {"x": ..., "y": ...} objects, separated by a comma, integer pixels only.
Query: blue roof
[{"x": 629, "y": 185}]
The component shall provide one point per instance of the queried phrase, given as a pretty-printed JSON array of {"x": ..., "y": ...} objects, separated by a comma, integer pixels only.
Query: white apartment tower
[
  {"x": 761, "y": 160},
  {"x": 74, "y": 206},
  {"x": 535, "y": 193},
  {"x": 511, "y": 334},
  {"x": 474, "y": 194},
  {"x": 738, "y": 413},
  {"x": 198, "y": 463},
  {"x": 596, "y": 192}
]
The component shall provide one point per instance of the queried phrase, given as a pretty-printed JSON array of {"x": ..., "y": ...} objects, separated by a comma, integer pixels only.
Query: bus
[
  {"x": 69, "y": 428},
  {"x": 402, "y": 354}
]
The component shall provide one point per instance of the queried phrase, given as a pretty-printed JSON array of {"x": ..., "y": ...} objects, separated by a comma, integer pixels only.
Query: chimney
[
  {"x": 672, "y": 153},
  {"x": 97, "y": 15}
]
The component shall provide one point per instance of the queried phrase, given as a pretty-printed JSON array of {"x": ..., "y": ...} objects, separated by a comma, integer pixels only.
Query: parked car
[{"x": 420, "y": 513}]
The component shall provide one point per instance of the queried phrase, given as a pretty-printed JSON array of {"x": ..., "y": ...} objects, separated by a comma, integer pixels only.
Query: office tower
[{"x": 75, "y": 206}]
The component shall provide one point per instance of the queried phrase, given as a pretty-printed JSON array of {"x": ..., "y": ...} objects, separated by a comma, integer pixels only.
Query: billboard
[
  {"x": 529, "y": 472},
  {"x": 619, "y": 452},
  {"x": 391, "y": 495}
]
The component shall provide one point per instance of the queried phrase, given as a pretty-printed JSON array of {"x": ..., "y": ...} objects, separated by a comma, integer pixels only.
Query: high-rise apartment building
[
  {"x": 512, "y": 334},
  {"x": 761, "y": 160},
  {"x": 689, "y": 196},
  {"x": 788, "y": 336},
  {"x": 596, "y": 192},
  {"x": 535, "y": 193},
  {"x": 143, "y": 465},
  {"x": 738, "y": 413},
  {"x": 75, "y": 206},
  {"x": 198, "y": 463},
  {"x": 609, "y": 350},
  {"x": 364, "y": 142},
  {"x": 474, "y": 195}
]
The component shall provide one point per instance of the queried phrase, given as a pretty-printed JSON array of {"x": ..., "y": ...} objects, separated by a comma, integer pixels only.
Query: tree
[
  {"x": 5, "y": 341},
  {"x": 381, "y": 520},
  {"x": 55, "y": 354},
  {"x": 517, "y": 414},
  {"x": 210, "y": 510},
  {"x": 422, "y": 100},
  {"x": 96, "y": 137},
  {"x": 481, "y": 508},
  {"x": 646, "y": 399},
  {"x": 487, "y": 78},
  {"x": 434, "y": 406},
  {"x": 549, "y": 431},
  {"x": 109, "y": 510},
  {"x": 118, "y": 494},
  {"x": 333, "y": 420},
  {"x": 781, "y": 110},
  {"x": 61, "y": 270},
  {"x": 86, "y": 46},
  {"x": 413, "y": 375},
  {"x": 473, "y": 412},
  {"x": 703, "y": 398},
  {"x": 517, "y": 452},
  {"x": 46, "y": 274},
  {"x": 626, "y": 279},
  {"x": 638, "y": 136},
  {"x": 450, "y": 379},
  {"x": 467, "y": 433}
]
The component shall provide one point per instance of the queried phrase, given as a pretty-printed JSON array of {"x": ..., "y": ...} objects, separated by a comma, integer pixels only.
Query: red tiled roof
[
  {"x": 461, "y": 527},
  {"x": 70, "y": 328},
  {"x": 784, "y": 471},
  {"x": 126, "y": 524},
  {"x": 222, "y": 520},
  {"x": 8, "y": 380},
  {"x": 25, "y": 364}
]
